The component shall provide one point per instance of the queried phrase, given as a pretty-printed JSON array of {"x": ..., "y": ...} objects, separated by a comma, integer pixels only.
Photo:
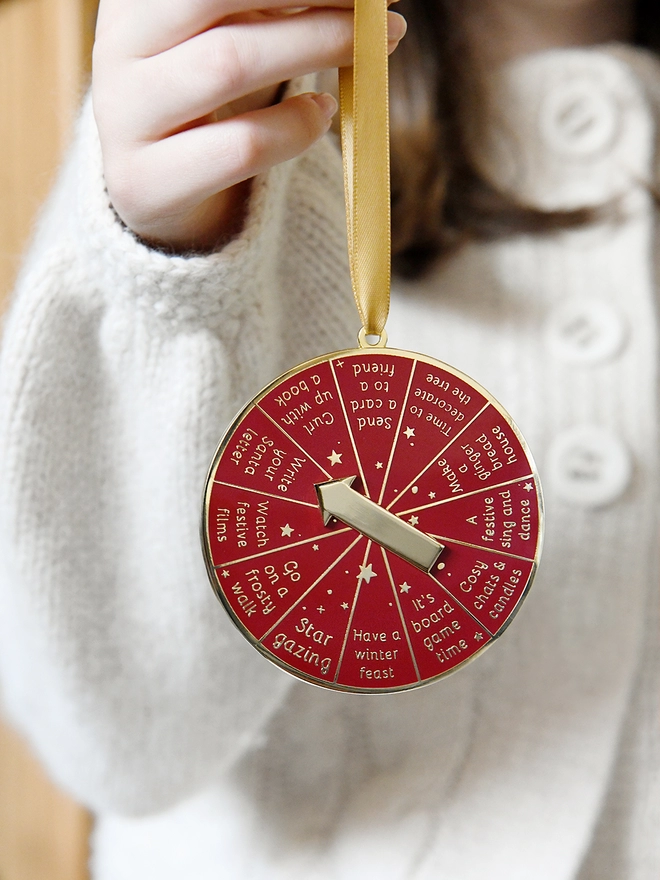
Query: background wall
[{"x": 45, "y": 48}]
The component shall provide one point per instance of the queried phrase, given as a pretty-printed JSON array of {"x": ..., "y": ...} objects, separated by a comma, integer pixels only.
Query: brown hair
[{"x": 440, "y": 200}]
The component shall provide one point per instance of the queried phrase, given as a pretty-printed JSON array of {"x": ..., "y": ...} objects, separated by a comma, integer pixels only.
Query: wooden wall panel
[
  {"x": 43, "y": 835},
  {"x": 44, "y": 64}
]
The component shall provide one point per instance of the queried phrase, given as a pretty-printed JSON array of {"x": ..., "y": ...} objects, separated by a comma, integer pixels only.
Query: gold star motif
[
  {"x": 344, "y": 605},
  {"x": 431, "y": 495},
  {"x": 287, "y": 531},
  {"x": 404, "y": 587},
  {"x": 409, "y": 432},
  {"x": 413, "y": 520},
  {"x": 478, "y": 636},
  {"x": 315, "y": 546},
  {"x": 225, "y": 573},
  {"x": 366, "y": 573},
  {"x": 335, "y": 458},
  {"x": 379, "y": 465},
  {"x": 528, "y": 487}
]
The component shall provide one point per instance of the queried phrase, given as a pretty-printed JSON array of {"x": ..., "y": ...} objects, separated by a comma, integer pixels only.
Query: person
[{"x": 194, "y": 248}]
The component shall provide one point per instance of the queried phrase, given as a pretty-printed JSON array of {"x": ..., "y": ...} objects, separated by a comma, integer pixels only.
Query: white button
[
  {"x": 588, "y": 466},
  {"x": 580, "y": 118},
  {"x": 586, "y": 332}
]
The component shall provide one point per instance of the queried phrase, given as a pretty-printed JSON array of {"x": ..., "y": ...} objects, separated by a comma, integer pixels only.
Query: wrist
[{"x": 203, "y": 231}]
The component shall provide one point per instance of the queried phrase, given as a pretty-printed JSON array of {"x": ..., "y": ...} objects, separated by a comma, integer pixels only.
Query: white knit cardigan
[{"x": 120, "y": 368}]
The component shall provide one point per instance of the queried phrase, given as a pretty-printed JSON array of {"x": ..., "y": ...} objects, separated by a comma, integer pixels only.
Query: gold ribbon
[{"x": 364, "y": 109}]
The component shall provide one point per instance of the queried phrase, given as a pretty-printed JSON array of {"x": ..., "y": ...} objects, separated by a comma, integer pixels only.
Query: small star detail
[
  {"x": 287, "y": 531},
  {"x": 344, "y": 605},
  {"x": 225, "y": 573},
  {"x": 404, "y": 587},
  {"x": 431, "y": 495},
  {"x": 409, "y": 432},
  {"x": 528, "y": 487},
  {"x": 413, "y": 520},
  {"x": 335, "y": 458},
  {"x": 478, "y": 637},
  {"x": 320, "y": 609},
  {"x": 379, "y": 465},
  {"x": 366, "y": 573},
  {"x": 315, "y": 546}
]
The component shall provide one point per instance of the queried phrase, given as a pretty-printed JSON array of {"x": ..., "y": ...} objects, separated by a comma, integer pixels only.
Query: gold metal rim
[{"x": 235, "y": 424}]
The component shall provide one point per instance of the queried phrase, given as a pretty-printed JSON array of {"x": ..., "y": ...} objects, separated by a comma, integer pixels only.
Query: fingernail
[
  {"x": 396, "y": 26},
  {"x": 327, "y": 103}
]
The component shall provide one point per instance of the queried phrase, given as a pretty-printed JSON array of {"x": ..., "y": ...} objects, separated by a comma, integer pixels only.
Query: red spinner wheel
[{"x": 372, "y": 520}]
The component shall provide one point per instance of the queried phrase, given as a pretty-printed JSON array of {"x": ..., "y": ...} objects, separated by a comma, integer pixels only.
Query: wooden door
[{"x": 44, "y": 64}]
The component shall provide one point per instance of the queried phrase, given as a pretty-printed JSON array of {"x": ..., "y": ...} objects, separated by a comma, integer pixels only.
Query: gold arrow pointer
[{"x": 338, "y": 500}]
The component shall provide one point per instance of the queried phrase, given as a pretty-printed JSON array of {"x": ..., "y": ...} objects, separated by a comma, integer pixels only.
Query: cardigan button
[
  {"x": 580, "y": 118},
  {"x": 586, "y": 332},
  {"x": 588, "y": 466}
]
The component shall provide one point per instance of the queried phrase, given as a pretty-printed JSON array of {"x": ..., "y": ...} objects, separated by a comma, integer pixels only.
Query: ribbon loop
[{"x": 364, "y": 109}]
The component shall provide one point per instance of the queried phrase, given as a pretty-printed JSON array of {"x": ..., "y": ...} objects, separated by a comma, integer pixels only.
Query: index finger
[{"x": 143, "y": 28}]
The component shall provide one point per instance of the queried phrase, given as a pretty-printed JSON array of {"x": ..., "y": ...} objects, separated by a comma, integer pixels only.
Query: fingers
[
  {"x": 174, "y": 176},
  {"x": 146, "y": 27},
  {"x": 182, "y": 104},
  {"x": 224, "y": 64}
]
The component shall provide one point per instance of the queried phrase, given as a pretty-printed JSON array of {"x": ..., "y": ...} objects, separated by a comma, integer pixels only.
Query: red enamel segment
[
  {"x": 259, "y": 456},
  {"x": 504, "y": 518},
  {"x": 377, "y": 653},
  {"x": 373, "y": 389},
  {"x": 311, "y": 636},
  {"x": 439, "y": 406},
  {"x": 485, "y": 454},
  {"x": 244, "y": 523},
  {"x": 489, "y": 585},
  {"x": 263, "y": 589},
  {"x": 308, "y": 408},
  {"x": 442, "y": 633}
]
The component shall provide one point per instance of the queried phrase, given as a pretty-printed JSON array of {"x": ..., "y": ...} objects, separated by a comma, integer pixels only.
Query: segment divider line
[
  {"x": 309, "y": 589},
  {"x": 348, "y": 428},
  {"x": 288, "y": 436},
  {"x": 464, "y": 607},
  {"x": 350, "y": 616},
  {"x": 398, "y": 431},
  {"x": 266, "y": 494},
  {"x": 442, "y": 451},
  {"x": 283, "y": 547},
  {"x": 398, "y": 605},
  {"x": 479, "y": 547},
  {"x": 466, "y": 495}
]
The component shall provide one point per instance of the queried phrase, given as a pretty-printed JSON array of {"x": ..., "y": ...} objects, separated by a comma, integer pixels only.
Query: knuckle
[
  {"x": 249, "y": 148},
  {"x": 228, "y": 60},
  {"x": 336, "y": 30}
]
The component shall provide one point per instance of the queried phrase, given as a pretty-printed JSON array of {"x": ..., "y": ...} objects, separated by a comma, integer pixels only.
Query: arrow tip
[{"x": 323, "y": 492}]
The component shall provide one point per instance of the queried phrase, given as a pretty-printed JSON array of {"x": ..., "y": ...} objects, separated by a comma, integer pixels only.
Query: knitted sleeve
[{"x": 120, "y": 368}]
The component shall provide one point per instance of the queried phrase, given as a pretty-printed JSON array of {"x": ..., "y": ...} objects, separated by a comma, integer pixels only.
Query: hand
[{"x": 184, "y": 96}]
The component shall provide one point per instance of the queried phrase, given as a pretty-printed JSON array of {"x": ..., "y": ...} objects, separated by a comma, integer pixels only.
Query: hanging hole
[{"x": 372, "y": 340}]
